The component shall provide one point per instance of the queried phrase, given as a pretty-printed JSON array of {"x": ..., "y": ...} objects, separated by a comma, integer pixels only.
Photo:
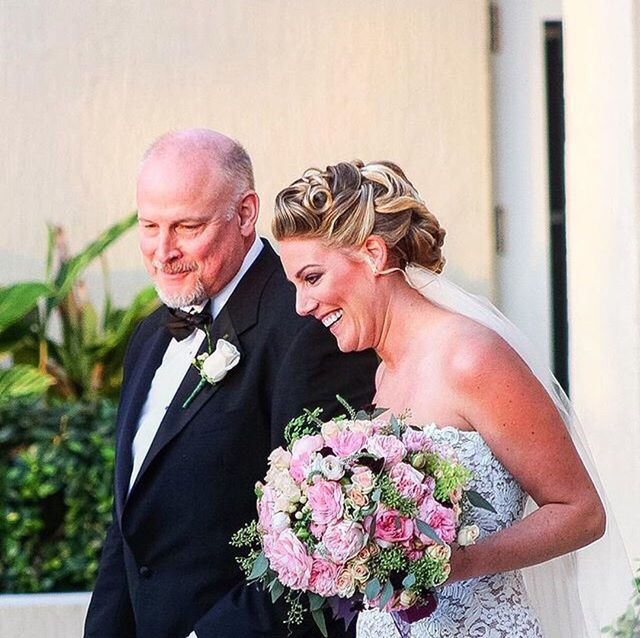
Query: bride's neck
[{"x": 406, "y": 323}]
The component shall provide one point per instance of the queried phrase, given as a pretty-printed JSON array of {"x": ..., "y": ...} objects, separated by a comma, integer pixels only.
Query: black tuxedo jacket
[{"x": 167, "y": 567}]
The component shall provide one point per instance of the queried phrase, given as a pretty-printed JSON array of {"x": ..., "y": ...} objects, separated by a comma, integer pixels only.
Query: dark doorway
[{"x": 557, "y": 224}]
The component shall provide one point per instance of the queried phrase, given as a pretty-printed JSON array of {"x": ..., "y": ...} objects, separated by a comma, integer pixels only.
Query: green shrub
[{"x": 56, "y": 474}]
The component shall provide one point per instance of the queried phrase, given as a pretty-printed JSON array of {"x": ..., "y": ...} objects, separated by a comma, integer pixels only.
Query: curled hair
[{"x": 346, "y": 203}]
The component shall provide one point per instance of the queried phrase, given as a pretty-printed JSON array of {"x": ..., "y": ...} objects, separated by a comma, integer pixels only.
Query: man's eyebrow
[{"x": 299, "y": 273}]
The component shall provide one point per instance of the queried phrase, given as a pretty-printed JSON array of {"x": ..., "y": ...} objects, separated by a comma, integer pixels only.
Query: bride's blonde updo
[{"x": 348, "y": 202}]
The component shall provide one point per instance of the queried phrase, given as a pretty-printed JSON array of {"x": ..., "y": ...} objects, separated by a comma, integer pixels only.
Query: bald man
[{"x": 186, "y": 468}]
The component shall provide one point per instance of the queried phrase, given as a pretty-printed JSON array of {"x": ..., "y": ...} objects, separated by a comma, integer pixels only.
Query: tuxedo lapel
[
  {"x": 132, "y": 401},
  {"x": 238, "y": 315}
]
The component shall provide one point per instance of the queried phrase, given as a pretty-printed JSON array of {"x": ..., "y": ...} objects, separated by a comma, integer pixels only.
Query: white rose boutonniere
[{"x": 213, "y": 366}]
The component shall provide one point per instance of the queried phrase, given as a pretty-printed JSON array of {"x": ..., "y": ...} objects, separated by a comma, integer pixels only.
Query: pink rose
[
  {"x": 288, "y": 557},
  {"x": 326, "y": 501},
  {"x": 363, "y": 478},
  {"x": 346, "y": 443},
  {"x": 307, "y": 445},
  {"x": 343, "y": 541},
  {"x": 324, "y": 574},
  {"x": 417, "y": 440},
  {"x": 441, "y": 518},
  {"x": 316, "y": 529},
  {"x": 408, "y": 480},
  {"x": 388, "y": 447},
  {"x": 392, "y": 527}
]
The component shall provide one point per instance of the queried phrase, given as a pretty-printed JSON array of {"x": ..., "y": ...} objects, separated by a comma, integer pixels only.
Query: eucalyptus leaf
[
  {"x": 373, "y": 588},
  {"x": 277, "y": 590},
  {"x": 315, "y": 601},
  {"x": 385, "y": 596},
  {"x": 395, "y": 426},
  {"x": 409, "y": 580},
  {"x": 260, "y": 566},
  {"x": 318, "y": 617},
  {"x": 477, "y": 500},
  {"x": 427, "y": 530}
]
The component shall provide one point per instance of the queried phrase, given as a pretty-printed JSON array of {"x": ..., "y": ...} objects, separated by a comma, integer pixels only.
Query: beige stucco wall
[
  {"x": 88, "y": 85},
  {"x": 603, "y": 230}
]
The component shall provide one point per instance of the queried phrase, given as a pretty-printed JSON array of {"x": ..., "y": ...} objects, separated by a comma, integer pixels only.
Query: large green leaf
[
  {"x": 120, "y": 325},
  {"x": 22, "y": 381},
  {"x": 72, "y": 269},
  {"x": 18, "y": 300}
]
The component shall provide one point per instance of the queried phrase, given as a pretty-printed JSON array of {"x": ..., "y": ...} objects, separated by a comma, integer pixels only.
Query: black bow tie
[{"x": 181, "y": 324}]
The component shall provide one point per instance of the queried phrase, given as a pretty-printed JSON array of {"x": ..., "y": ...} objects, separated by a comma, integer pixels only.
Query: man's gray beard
[{"x": 193, "y": 298}]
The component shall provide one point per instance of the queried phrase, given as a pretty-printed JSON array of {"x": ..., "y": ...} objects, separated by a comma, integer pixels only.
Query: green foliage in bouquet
[
  {"x": 628, "y": 625},
  {"x": 85, "y": 360},
  {"x": 56, "y": 471}
]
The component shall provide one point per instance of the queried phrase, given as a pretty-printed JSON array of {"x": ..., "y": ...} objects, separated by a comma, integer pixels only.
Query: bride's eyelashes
[{"x": 312, "y": 278}]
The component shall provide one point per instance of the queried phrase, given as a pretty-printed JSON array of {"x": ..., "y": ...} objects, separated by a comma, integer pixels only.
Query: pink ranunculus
[
  {"x": 388, "y": 447},
  {"x": 324, "y": 574},
  {"x": 442, "y": 519},
  {"x": 392, "y": 527},
  {"x": 346, "y": 443},
  {"x": 300, "y": 466},
  {"x": 417, "y": 440},
  {"x": 343, "y": 540},
  {"x": 326, "y": 501},
  {"x": 307, "y": 445},
  {"x": 408, "y": 480},
  {"x": 288, "y": 557}
]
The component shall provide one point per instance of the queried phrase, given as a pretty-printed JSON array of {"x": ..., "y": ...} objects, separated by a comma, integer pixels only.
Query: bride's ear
[{"x": 375, "y": 253}]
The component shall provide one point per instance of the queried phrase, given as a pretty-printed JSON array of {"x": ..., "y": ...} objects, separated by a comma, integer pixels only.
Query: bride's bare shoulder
[{"x": 473, "y": 352}]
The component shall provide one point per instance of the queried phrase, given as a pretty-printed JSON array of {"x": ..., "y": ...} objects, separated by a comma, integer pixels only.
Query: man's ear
[
  {"x": 248, "y": 213},
  {"x": 375, "y": 252}
]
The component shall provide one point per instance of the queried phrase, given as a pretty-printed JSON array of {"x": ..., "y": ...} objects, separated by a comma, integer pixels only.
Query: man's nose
[
  {"x": 167, "y": 248},
  {"x": 304, "y": 304}
]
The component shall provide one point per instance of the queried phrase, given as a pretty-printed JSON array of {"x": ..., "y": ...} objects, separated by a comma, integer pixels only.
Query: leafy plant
[
  {"x": 56, "y": 470},
  {"x": 628, "y": 625},
  {"x": 84, "y": 360}
]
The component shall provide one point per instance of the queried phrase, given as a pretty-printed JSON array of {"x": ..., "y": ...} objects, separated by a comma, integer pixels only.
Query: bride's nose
[{"x": 305, "y": 305}]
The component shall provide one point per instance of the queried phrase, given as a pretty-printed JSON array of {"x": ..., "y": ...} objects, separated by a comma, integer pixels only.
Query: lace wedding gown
[{"x": 493, "y": 606}]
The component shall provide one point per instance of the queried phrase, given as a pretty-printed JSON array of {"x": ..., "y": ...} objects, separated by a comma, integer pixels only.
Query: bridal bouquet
[{"x": 357, "y": 512}]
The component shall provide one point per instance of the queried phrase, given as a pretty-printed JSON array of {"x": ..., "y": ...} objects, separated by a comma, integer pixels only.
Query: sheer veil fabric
[{"x": 575, "y": 595}]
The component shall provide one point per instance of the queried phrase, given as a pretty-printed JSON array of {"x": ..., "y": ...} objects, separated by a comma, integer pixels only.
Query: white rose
[
  {"x": 332, "y": 468},
  {"x": 439, "y": 552},
  {"x": 468, "y": 535},
  {"x": 330, "y": 429},
  {"x": 280, "y": 459},
  {"x": 220, "y": 361},
  {"x": 361, "y": 426},
  {"x": 407, "y": 598}
]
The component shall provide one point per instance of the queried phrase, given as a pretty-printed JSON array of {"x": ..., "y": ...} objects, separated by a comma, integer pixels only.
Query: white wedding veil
[{"x": 575, "y": 595}]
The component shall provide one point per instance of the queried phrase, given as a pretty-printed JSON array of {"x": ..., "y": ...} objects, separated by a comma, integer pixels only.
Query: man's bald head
[{"x": 208, "y": 148}]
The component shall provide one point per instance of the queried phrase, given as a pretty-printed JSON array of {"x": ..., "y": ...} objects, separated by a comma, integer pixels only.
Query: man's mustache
[{"x": 175, "y": 268}]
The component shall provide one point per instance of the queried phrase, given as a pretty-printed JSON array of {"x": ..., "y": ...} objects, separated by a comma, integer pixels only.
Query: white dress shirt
[{"x": 176, "y": 361}]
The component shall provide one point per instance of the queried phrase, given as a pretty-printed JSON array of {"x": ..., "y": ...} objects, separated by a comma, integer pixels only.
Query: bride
[{"x": 365, "y": 254}]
